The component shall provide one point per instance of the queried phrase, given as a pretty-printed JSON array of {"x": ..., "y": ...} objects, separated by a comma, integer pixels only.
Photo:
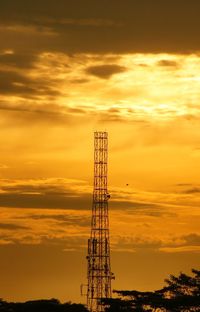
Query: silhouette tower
[{"x": 99, "y": 269}]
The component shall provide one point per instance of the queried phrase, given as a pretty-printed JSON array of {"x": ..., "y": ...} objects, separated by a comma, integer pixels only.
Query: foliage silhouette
[
  {"x": 182, "y": 294},
  {"x": 52, "y": 305}
]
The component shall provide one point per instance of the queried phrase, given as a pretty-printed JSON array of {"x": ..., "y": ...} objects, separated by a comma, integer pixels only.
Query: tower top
[{"x": 100, "y": 135}]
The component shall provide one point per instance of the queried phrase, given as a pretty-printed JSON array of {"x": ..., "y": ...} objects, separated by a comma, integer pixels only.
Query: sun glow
[{"x": 138, "y": 86}]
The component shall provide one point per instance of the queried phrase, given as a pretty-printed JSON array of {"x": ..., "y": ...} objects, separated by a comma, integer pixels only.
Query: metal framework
[{"x": 99, "y": 269}]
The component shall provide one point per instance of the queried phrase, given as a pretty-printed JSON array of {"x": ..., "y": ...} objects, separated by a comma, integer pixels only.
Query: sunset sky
[{"x": 67, "y": 69}]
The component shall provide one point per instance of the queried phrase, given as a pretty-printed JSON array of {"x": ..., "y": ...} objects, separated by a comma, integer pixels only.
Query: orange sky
[{"x": 67, "y": 70}]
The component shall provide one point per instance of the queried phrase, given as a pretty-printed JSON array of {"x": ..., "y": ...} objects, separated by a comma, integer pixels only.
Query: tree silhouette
[
  {"x": 52, "y": 305},
  {"x": 181, "y": 293}
]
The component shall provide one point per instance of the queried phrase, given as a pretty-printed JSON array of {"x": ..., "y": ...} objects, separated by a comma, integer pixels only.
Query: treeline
[
  {"x": 181, "y": 293},
  {"x": 52, "y": 305}
]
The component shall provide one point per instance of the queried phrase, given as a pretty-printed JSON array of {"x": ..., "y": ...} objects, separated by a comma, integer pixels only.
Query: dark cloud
[
  {"x": 192, "y": 239},
  {"x": 79, "y": 81},
  {"x": 135, "y": 206},
  {"x": 114, "y": 115},
  {"x": 152, "y": 243},
  {"x": 28, "y": 111},
  {"x": 168, "y": 63},
  {"x": 183, "y": 184},
  {"x": 25, "y": 61},
  {"x": 105, "y": 71},
  {"x": 48, "y": 200},
  {"x": 147, "y": 209},
  {"x": 188, "y": 188},
  {"x": 66, "y": 242},
  {"x": 101, "y": 26},
  {"x": 64, "y": 219},
  {"x": 11, "y": 226},
  {"x": 32, "y": 197},
  {"x": 139, "y": 243},
  {"x": 14, "y": 83},
  {"x": 47, "y": 196},
  {"x": 192, "y": 190},
  {"x": 106, "y": 116},
  {"x": 58, "y": 196}
]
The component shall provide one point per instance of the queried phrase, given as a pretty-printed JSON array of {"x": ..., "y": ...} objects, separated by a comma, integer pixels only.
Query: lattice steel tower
[{"x": 99, "y": 270}]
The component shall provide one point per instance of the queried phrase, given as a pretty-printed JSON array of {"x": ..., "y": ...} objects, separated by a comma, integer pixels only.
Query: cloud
[
  {"x": 182, "y": 249},
  {"x": 185, "y": 243},
  {"x": 87, "y": 22},
  {"x": 55, "y": 210},
  {"x": 64, "y": 242},
  {"x": 69, "y": 243},
  {"x": 93, "y": 26},
  {"x": 28, "y": 111},
  {"x": 140, "y": 208},
  {"x": 188, "y": 188},
  {"x": 192, "y": 190},
  {"x": 57, "y": 88},
  {"x": 168, "y": 63},
  {"x": 169, "y": 244},
  {"x": 133, "y": 244},
  {"x": 12, "y": 227},
  {"x": 14, "y": 83},
  {"x": 183, "y": 184},
  {"x": 18, "y": 60},
  {"x": 43, "y": 197},
  {"x": 45, "y": 193},
  {"x": 192, "y": 239},
  {"x": 64, "y": 219},
  {"x": 105, "y": 71},
  {"x": 60, "y": 194}
]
